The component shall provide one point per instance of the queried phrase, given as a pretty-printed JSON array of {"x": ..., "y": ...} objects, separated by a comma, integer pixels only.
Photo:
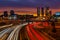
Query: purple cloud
[{"x": 30, "y": 3}]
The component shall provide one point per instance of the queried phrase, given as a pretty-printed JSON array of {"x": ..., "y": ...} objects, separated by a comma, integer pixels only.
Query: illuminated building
[
  {"x": 40, "y": 14},
  {"x": 12, "y": 12},
  {"x": 34, "y": 14},
  {"x": 5, "y": 14},
  {"x": 57, "y": 15},
  {"x": 38, "y": 11},
  {"x": 47, "y": 11},
  {"x": 50, "y": 13},
  {"x": 12, "y": 15},
  {"x": 42, "y": 11}
]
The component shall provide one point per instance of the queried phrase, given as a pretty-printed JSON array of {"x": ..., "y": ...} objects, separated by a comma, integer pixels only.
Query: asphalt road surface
[{"x": 25, "y": 31}]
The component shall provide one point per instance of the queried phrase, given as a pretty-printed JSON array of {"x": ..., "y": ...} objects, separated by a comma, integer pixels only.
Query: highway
[
  {"x": 34, "y": 35},
  {"x": 10, "y": 31},
  {"x": 26, "y": 31},
  {"x": 6, "y": 30},
  {"x": 15, "y": 30}
]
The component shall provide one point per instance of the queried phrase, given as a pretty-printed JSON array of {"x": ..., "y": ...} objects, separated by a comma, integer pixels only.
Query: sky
[{"x": 30, "y": 3}]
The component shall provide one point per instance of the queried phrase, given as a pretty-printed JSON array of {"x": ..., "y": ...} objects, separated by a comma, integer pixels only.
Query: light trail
[
  {"x": 13, "y": 32},
  {"x": 29, "y": 33},
  {"x": 35, "y": 33},
  {"x": 16, "y": 35},
  {"x": 8, "y": 30},
  {"x": 6, "y": 26}
]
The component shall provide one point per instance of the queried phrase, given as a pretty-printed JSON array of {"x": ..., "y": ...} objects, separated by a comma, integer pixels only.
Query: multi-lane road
[
  {"x": 12, "y": 32},
  {"x": 25, "y": 31}
]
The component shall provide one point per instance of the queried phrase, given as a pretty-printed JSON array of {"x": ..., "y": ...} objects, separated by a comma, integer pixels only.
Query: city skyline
[
  {"x": 25, "y": 10},
  {"x": 28, "y": 5}
]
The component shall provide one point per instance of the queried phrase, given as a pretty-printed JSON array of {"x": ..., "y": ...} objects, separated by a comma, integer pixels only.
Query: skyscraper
[
  {"x": 38, "y": 11},
  {"x": 46, "y": 11},
  {"x": 5, "y": 14},
  {"x": 42, "y": 11},
  {"x": 50, "y": 13},
  {"x": 12, "y": 12},
  {"x": 13, "y": 15}
]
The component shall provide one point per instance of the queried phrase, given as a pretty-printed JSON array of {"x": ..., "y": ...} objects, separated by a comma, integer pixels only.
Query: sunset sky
[{"x": 29, "y": 5}]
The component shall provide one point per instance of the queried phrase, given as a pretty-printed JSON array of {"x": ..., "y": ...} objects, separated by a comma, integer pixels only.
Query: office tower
[
  {"x": 11, "y": 12},
  {"x": 38, "y": 11},
  {"x": 47, "y": 11},
  {"x": 13, "y": 15},
  {"x": 50, "y": 13},
  {"x": 42, "y": 11},
  {"x": 5, "y": 14}
]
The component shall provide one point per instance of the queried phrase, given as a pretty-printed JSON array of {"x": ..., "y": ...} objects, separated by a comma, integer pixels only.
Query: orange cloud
[
  {"x": 55, "y": 10},
  {"x": 25, "y": 10}
]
